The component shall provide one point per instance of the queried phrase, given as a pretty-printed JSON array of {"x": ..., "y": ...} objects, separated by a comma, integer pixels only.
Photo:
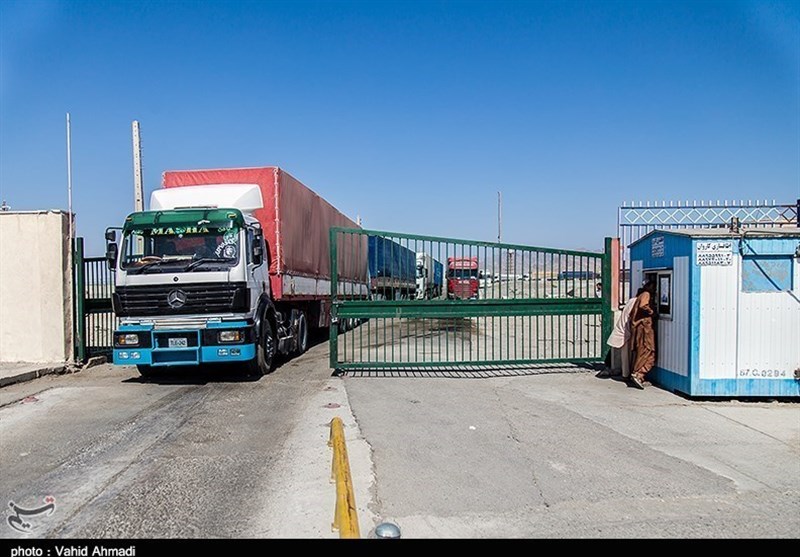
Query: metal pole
[
  {"x": 77, "y": 315},
  {"x": 69, "y": 182}
]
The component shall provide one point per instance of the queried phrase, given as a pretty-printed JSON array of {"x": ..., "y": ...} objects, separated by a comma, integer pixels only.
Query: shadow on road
[
  {"x": 475, "y": 371},
  {"x": 196, "y": 375}
]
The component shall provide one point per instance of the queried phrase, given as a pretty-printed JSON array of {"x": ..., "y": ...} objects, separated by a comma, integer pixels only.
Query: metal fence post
[
  {"x": 609, "y": 282},
  {"x": 79, "y": 294},
  {"x": 334, "y": 328}
]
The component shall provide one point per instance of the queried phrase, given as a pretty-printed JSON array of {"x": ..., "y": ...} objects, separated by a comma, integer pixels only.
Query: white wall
[
  {"x": 673, "y": 334},
  {"x": 769, "y": 331},
  {"x": 35, "y": 287},
  {"x": 719, "y": 288},
  {"x": 746, "y": 332}
]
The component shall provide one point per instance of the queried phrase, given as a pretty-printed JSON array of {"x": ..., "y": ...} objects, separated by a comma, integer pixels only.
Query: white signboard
[
  {"x": 657, "y": 246},
  {"x": 715, "y": 253}
]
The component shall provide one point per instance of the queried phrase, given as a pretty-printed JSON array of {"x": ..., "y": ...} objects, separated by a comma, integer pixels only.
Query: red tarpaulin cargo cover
[{"x": 296, "y": 223}]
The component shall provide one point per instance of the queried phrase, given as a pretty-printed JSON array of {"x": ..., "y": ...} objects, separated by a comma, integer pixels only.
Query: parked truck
[
  {"x": 227, "y": 265},
  {"x": 392, "y": 269},
  {"x": 430, "y": 274},
  {"x": 462, "y": 277}
]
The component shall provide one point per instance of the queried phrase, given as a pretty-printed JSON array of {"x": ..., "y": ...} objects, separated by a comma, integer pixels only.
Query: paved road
[
  {"x": 539, "y": 453},
  {"x": 564, "y": 454},
  {"x": 213, "y": 455}
]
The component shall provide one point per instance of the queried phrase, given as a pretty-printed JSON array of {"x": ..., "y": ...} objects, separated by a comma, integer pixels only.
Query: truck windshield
[
  {"x": 160, "y": 249},
  {"x": 462, "y": 273}
]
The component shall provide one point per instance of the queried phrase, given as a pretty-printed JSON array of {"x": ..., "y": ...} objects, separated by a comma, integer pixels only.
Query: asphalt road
[
  {"x": 562, "y": 453},
  {"x": 539, "y": 452},
  {"x": 210, "y": 455}
]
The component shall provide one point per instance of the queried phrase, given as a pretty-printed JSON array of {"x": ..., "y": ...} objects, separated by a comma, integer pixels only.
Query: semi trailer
[
  {"x": 228, "y": 265},
  {"x": 392, "y": 269}
]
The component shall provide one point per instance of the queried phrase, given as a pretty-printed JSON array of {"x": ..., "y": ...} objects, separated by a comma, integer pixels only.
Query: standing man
[
  {"x": 621, "y": 335},
  {"x": 644, "y": 339}
]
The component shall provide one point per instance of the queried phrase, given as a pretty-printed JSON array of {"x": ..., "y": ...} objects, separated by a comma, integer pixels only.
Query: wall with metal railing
[{"x": 636, "y": 219}]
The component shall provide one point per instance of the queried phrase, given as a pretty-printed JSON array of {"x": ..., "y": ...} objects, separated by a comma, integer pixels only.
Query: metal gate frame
[
  {"x": 349, "y": 309},
  {"x": 94, "y": 321}
]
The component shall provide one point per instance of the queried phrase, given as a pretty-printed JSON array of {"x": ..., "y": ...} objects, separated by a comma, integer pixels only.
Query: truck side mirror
[
  {"x": 258, "y": 249},
  {"x": 111, "y": 255},
  {"x": 111, "y": 236}
]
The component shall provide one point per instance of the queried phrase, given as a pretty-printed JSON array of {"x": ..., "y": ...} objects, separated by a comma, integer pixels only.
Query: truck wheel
[
  {"x": 145, "y": 370},
  {"x": 302, "y": 334},
  {"x": 265, "y": 353}
]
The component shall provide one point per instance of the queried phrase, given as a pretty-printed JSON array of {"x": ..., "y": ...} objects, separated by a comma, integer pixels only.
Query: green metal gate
[
  {"x": 94, "y": 316},
  {"x": 499, "y": 304}
]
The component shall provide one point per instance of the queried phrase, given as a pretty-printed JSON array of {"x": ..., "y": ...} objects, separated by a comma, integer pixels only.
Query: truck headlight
[
  {"x": 126, "y": 339},
  {"x": 230, "y": 336}
]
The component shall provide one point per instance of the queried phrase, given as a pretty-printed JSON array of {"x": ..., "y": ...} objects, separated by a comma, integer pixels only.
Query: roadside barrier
[{"x": 345, "y": 516}]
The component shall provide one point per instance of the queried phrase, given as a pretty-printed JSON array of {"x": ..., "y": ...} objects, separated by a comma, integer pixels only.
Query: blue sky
[{"x": 410, "y": 114}]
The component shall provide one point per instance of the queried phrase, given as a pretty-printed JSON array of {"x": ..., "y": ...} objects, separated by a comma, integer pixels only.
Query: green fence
[{"x": 496, "y": 304}]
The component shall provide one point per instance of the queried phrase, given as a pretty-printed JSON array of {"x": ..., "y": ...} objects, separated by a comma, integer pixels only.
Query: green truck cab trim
[{"x": 184, "y": 218}]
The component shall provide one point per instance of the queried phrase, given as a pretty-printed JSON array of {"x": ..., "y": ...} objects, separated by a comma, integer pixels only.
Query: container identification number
[{"x": 763, "y": 373}]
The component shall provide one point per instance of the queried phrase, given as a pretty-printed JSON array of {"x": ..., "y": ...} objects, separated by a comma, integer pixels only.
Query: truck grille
[
  {"x": 462, "y": 290},
  {"x": 184, "y": 299}
]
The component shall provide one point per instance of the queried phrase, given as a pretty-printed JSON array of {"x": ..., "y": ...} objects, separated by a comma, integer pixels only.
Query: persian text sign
[
  {"x": 715, "y": 253},
  {"x": 657, "y": 246}
]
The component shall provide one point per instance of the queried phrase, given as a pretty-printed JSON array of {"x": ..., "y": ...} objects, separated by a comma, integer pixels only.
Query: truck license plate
[{"x": 178, "y": 343}]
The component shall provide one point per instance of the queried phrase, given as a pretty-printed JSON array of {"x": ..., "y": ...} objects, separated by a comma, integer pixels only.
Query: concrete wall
[{"x": 35, "y": 287}]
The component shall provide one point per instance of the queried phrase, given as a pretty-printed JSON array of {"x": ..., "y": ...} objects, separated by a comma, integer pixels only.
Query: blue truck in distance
[{"x": 392, "y": 269}]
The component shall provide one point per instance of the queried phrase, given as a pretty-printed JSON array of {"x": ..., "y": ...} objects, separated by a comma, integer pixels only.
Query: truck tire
[
  {"x": 146, "y": 370},
  {"x": 265, "y": 352},
  {"x": 302, "y": 334}
]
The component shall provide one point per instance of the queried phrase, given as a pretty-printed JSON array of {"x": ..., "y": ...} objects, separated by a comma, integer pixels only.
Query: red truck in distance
[{"x": 462, "y": 278}]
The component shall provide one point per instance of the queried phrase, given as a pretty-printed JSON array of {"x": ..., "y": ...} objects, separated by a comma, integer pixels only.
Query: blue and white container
[{"x": 729, "y": 310}]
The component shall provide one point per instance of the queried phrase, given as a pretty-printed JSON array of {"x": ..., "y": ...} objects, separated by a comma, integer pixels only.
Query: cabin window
[{"x": 663, "y": 280}]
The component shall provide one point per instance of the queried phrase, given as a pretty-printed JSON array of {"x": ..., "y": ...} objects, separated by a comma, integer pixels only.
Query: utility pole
[
  {"x": 499, "y": 217},
  {"x": 138, "y": 190}
]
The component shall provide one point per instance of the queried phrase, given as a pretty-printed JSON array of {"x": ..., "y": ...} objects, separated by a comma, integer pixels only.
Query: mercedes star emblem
[{"x": 176, "y": 298}]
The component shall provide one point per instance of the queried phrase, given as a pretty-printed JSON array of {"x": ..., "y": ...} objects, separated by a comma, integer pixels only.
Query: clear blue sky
[{"x": 410, "y": 114}]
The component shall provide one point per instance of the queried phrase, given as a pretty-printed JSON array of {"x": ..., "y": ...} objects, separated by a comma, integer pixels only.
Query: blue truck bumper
[{"x": 144, "y": 345}]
